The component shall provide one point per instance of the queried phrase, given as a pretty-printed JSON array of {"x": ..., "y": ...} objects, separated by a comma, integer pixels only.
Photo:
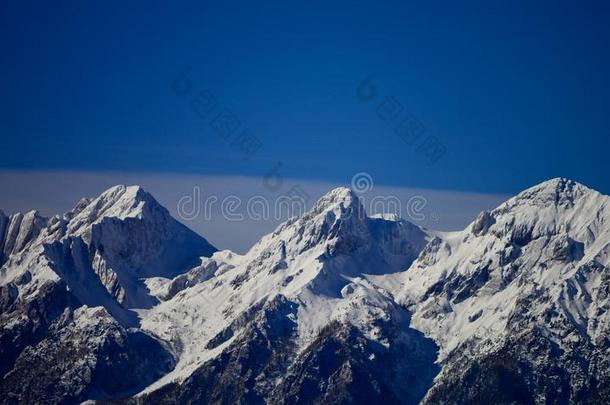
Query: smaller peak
[
  {"x": 341, "y": 200},
  {"x": 137, "y": 193},
  {"x": 122, "y": 192},
  {"x": 135, "y": 190},
  {"x": 558, "y": 187},
  {"x": 341, "y": 192},
  {"x": 120, "y": 189},
  {"x": 338, "y": 195},
  {"x": 114, "y": 190},
  {"x": 557, "y": 192},
  {"x": 559, "y": 183},
  {"x": 120, "y": 202}
]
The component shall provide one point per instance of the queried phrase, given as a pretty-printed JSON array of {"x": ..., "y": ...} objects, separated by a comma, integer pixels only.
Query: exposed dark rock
[{"x": 85, "y": 354}]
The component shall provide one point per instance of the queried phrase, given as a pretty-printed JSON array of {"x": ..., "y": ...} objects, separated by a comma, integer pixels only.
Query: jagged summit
[
  {"x": 559, "y": 185},
  {"x": 558, "y": 192},
  {"x": 117, "y": 202},
  {"x": 338, "y": 195},
  {"x": 553, "y": 207},
  {"x": 338, "y": 224},
  {"x": 341, "y": 202},
  {"x": 123, "y": 196}
]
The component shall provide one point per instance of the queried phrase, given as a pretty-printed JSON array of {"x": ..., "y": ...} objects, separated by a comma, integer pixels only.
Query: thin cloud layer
[{"x": 230, "y": 210}]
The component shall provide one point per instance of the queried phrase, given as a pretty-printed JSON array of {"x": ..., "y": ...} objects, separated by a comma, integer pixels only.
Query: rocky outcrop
[{"x": 17, "y": 231}]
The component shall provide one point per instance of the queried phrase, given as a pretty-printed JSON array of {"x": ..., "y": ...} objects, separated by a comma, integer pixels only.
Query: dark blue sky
[{"x": 515, "y": 92}]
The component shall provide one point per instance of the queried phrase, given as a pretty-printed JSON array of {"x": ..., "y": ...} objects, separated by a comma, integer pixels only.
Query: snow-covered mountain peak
[
  {"x": 128, "y": 198},
  {"x": 557, "y": 206},
  {"x": 117, "y": 202},
  {"x": 338, "y": 226},
  {"x": 558, "y": 192},
  {"x": 540, "y": 258},
  {"x": 340, "y": 196},
  {"x": 336, "y": 215},
  {"x": 115, "y": 239},
  {"x": 339, "y": 204},
  {"x": 559, "y": 186}
]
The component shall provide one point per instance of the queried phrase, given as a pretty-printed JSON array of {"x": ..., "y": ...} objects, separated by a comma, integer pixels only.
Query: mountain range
[{"x": 117, "y": 302}]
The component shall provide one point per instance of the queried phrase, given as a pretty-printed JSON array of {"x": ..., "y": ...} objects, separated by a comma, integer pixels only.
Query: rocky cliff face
[{"x": 17, "y": 231}]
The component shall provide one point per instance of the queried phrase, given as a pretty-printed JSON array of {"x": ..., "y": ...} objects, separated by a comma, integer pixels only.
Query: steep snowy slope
[
  {"x": 305, "y": 275},
  {"x": 522, "y": 294}
]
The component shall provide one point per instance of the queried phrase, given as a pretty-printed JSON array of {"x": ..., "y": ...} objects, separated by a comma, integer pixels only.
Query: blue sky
[{"x": 514, "y": 92}]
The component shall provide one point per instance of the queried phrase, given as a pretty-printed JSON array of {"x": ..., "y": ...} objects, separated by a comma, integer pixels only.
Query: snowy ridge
[
  {"x": 543, "y": 238},
  {"x": 333, "y": 306},
  {"x": 316, "y": 260}
]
